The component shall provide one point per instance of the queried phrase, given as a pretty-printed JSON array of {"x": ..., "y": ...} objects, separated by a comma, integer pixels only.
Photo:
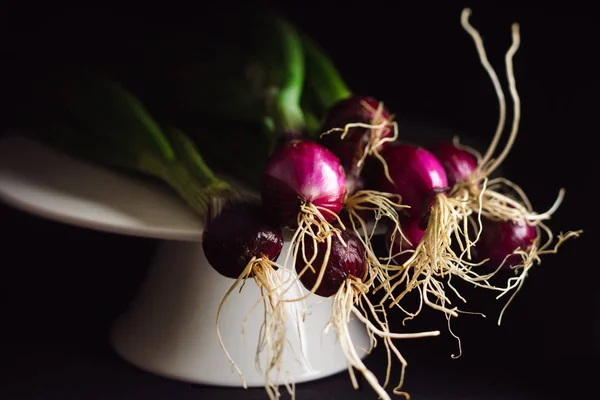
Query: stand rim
[{"x": 29, "y": 175}]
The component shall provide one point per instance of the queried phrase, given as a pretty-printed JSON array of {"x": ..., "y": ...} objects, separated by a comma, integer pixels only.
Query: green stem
[
  {"x": 313, "y": 124},
  {"x": 323, "y": 77},
  {"x": 286, "y": 111},
  {"x": 181, "y": 180},
  {"x": 113, "y": 111},
  {"x": 200, "y": 197},
  {"x": 188, "y": 154}
]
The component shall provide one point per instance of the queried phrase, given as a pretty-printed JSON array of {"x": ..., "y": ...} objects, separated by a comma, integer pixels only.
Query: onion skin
[
  {"x": 411, "y": 228},
  {"x": 418, "y": 177},
  {"x": 352, "y": 110},
  {"x": 240, "y": 232},
  {"x": 458, "y": 163},
  {"x": 344, "y": 262},
  {"x": 302, "y": 172},
  {"x": 500, "y": 239}
]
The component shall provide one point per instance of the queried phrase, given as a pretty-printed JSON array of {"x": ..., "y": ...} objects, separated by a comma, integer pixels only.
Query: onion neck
[
  {"x": 324, "y": 79},
  {"x": 188, "y": 155},
  {"x": 285, "y": 110},
  {"x": 287, "y": 114}
]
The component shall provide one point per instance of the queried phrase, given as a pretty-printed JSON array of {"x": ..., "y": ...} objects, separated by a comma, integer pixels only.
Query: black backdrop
[{"x": 61, "y": 287}]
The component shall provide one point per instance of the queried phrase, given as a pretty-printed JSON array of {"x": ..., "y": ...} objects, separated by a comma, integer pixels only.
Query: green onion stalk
[
  {"x": 324, "y": 85},
  {"x": 97, "y": 119},
  {"x": 242, "y": 98}
]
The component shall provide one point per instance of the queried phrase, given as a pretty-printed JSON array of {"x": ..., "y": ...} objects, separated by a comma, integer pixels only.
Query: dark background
[{"x": 61, "y": 287}]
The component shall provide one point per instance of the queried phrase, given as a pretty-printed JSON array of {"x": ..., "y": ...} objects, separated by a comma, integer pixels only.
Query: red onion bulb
[
  {"x": 417, "y": 177},
  {"x": 302, "y": 172},
  {"x": 356, "y": 109},
  {"x": 459, "y": 164},
  {"x": 343, "y": 262},
  {"x": 499, "y": 239},
  {"x": 239, "y": 233}
]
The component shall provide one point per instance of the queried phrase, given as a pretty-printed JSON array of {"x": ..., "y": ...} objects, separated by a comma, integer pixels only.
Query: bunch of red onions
[
  {"x": 461, "y": 223},
  {"x": 445, "y": 219}
]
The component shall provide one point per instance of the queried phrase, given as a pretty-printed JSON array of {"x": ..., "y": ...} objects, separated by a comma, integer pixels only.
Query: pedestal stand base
[{"x": 170, "y": 327}]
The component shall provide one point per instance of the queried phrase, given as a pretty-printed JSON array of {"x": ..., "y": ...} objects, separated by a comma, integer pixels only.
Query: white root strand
[
  {"x": 272, "y": 333},
  {"x": 351, "y": 300}
]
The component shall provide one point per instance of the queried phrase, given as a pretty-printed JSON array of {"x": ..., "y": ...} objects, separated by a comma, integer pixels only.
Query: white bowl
[{"x": 169, "y": 328}]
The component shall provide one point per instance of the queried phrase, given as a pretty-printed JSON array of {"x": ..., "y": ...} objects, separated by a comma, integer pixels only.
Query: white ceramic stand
[{"x": 169, "y": 328}]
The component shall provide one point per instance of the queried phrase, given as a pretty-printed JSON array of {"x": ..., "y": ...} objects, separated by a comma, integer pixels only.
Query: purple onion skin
[
  {"x": 343, "y": 263},
  {"x": 239, "y": 233},
  {"x": 352, "y": 147},
  {"x": 458, "y": 164},
  {"x": 302, "y": 171},
  {"x": 418, "y": 177},
  {"x": 500, "y": 238},
  {"x": 411, "y": 228}
]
